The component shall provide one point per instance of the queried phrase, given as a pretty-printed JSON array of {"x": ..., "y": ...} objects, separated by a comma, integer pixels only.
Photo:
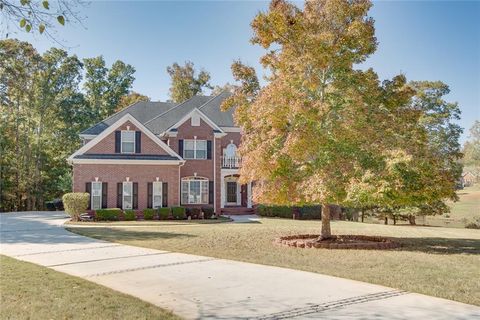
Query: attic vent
[{"x": 195, "y": 120}]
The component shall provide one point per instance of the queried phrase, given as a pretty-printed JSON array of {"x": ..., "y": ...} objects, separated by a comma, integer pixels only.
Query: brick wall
[
  {"x": 107, "y": 144},
  {"x": 142, "y": 174}
]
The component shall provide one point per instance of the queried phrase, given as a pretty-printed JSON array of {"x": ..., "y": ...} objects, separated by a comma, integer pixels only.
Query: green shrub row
[
  {"x": 165, "y": 213},
  {"x": 111, "y": 214},
  {"x": 287, "y": 212}
]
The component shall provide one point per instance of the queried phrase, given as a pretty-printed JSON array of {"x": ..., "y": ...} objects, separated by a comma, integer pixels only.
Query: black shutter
[
  {"x": 210, "y": 192},
  {"x": 138, "y": 142},
  {"x": 165, "y": 194},
  {"x": 209, "y": 149},
  {"x": 119, "y": 194},
  {"x": 150, "y": 195},
  {"x": 135, "y": 195},
  {"x": 180, "y": 147},
  {"x": 88, "y": 189},
  {"x": 104, "y": 195},
  {"x": 118, "y": 141}
]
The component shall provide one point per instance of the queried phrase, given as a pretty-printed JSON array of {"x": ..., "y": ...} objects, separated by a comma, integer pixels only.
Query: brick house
[{"x": 154, "y": 154}]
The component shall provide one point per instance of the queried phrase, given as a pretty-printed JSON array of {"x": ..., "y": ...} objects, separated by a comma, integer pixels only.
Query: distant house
[
  {"x": 469, "y": 178},
  {"x": 158, "y": 154}
]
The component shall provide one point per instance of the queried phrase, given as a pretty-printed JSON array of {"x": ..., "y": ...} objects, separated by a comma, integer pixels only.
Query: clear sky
[{"x": 425, "y": 40}]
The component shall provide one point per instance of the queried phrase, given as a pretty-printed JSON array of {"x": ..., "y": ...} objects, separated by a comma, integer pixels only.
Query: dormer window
[{"x": 128, "y": 142}]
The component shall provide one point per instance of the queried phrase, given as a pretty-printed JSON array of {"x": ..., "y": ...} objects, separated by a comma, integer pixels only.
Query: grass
[
  {"x": 442, "y": 262},
  {"x": 149, "y": 223},
  {"x": 29, "y": 291}
]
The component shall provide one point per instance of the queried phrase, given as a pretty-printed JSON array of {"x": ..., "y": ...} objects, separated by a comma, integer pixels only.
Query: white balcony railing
[{"x": 231, "y": 162}]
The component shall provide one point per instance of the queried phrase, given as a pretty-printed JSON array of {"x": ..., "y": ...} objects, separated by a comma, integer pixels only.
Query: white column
[
  {"x": 222, "y": 191},
  {"x": 249, "y": 195}
]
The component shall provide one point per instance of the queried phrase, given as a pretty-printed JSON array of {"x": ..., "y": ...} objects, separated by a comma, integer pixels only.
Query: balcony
[{"x": 229, "y": 162}]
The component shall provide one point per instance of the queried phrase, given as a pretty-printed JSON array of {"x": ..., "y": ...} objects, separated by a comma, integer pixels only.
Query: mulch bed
[{"x": 337, "y": 242}]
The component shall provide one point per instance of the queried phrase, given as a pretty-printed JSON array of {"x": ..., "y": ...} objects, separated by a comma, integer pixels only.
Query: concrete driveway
[{"x": 198, "y": 287}]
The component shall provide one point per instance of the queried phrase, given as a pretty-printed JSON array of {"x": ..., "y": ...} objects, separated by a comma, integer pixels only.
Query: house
[
  {"x": 469, "y": 178},
  {"x": 158, "y": 154}
]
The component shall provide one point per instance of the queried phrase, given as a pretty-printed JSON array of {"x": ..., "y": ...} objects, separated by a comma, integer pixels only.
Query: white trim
[
  {"x": 113, "y": 127},
  {"x": 87, "y": 136},
  {"x": 202, "y": 116},
  {"x": 194, "y": 179},
  {"x": 124, "y": 161},
  {"x": 195, "y": 140},
  {"x": 231, "y": 129},
  {"x": 249, "y": 195}
]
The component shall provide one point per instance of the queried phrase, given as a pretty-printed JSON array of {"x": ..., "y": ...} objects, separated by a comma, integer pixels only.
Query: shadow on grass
[
  {"x": 114, "y": 234},
  {"x": 439, "y": 245}
]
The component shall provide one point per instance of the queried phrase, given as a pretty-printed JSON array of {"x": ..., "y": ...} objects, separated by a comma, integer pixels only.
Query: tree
[
  {"x": 40, "y": 16},
  {"x": 130, "y": 99},
  {"x": 321, "y": 131},
  {"x": 184, "y": 82},
  {"x": 219, "y": 89},
  {"x": 105, "y": 87},
  {"x": 471, "y": 148}
]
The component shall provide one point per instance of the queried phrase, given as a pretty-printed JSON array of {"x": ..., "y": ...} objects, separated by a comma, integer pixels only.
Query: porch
[{"x": 236, "y": 198}]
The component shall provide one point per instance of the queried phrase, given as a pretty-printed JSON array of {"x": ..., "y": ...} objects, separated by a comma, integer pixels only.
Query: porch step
[{"x": 237, "y": 211}]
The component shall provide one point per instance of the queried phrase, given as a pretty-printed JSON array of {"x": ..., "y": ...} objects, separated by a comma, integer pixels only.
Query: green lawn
[
  {"x": 29, "y": 291},
  {"x": 436, "y": 261},
  {"x": 464, "y": 210}
]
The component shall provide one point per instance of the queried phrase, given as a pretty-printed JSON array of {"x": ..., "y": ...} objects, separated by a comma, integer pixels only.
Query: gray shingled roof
[{"x": 160, "y": 116}]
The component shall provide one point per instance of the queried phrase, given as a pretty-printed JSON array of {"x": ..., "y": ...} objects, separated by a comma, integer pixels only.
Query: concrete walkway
[{"x": 198, "y": 287}]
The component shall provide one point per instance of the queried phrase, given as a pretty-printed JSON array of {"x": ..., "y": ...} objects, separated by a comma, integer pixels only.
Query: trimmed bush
[
  {"x": 130, "y": 215},
  {"x": 178, "y": 213},
  {"x": 148, "y": 214},
  {"x": 306, "y": 212},
  {"x": 310, "y": 212},
  {"x": 208, "y": 212},
  {"x": 111, "y": 214},
  {"x": 195, "y": 213},
  {"x": 76, "y": 203},
  {"x": 164, "y": 213}
]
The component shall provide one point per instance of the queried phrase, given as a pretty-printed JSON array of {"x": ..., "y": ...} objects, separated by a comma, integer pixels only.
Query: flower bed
[{"x": 337, "y": 242}]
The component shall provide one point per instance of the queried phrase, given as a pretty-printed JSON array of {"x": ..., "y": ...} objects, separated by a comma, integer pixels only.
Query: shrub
[
  {"x": 306, "y": 212},
  {"x": 76, "y": 203},
  {"x": 208, "y": 212},
  {"x": 148, "y": 214},
  {"x": 164, "y": 213},
  {"x": 178, "y": 213},
  {"x": 195, "y": 213},
  {"x": 310, "y": 212},
  {"x": 50, "y": 206},
  {"x": 111, "y": 214},
  {"x": 475, "y": 224},
  {"x": 130, "y": 215},
  {"x": 58, "y": 203}
]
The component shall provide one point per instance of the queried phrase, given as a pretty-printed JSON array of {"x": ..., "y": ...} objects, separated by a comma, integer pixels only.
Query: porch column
[
  {"x": 249, "y": 195},
  {"x": 222, "y": 191}
]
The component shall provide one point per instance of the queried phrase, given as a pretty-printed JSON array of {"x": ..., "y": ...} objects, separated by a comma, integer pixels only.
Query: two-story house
[{"x": 154, "y": 154}]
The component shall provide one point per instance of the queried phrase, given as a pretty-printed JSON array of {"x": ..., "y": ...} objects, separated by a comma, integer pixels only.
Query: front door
[
  {"x": 231, "y": 192},
  {"x": 244, "y": 195}
]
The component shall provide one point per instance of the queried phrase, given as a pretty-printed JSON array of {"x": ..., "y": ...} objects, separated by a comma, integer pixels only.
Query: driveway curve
[{"x": 198, "y": 287}]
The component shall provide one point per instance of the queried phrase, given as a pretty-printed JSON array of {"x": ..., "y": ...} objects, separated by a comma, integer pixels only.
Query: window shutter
[
  {"x": 135, "y": 195},
  {"x": 209, "y": 149},
  {"x": 104, "y": 195},
  {"x": 180, "y": 147},
  {"x": 150, "y": 195},
  {"x": 138, "y": 142},
  {"x": 118, "y": 141},
  {"x": 211, "y": 189},
  {"x": 119, "y": 195},
  {"x": 88, "y": 189},
  {"x": 165, "y": 194}
]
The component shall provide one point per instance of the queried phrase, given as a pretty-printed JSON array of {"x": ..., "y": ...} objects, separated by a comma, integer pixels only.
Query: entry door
[
  {"x": 244, "y": 195},
  {"x": 232, "y": 192}
]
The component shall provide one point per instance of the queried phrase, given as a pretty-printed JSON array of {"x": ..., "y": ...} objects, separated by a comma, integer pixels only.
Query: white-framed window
[
  {"x": 96, "y": 195},
  {"x": 128, "y": 142},
  {"x": 195, "y": 149},
  {"x": 194, "y": 190},
  {"x": 157, "y": 194},
  {"x": 127, "y": 195}
]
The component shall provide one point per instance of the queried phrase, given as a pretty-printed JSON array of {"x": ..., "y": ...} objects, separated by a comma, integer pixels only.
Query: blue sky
[{"x": 425, "y": 40}]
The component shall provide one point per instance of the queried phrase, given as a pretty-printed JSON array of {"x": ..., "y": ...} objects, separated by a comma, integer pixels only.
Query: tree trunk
[
  {"x": 386, "y": 220},
  {"x": 394, "y": 220},
  {"x": 411, "y": 219},
  {"x": 363, "y": 214},
  {"x": 326, "y": 231}
]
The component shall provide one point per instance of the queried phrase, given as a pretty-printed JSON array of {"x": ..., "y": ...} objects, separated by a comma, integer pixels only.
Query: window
[
  {"x": 157, "y": 194},
  {"x": 195, "y": 149},
  {"x": 194, "y": 190},
  {"x": 127, "y": 195},
  {"x": 128, "y": 141},
  {"x": 96, "y": 195}
]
